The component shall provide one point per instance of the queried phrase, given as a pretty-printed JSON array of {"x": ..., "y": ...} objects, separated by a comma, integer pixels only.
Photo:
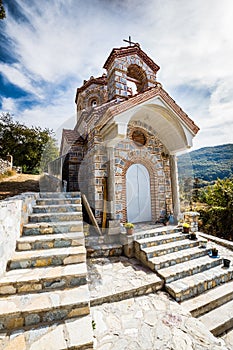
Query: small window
[
  {"x": 139, "y": 138},
  {"x": 93, "y": 103}
]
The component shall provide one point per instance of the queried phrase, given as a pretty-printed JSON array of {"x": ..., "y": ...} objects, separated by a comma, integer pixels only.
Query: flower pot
[
  {"x": 214, "y": 252},
  {"x": 129, "y": 231},
  {"x": 226, "y": 262},
  {"x": 193, "y": 236}
]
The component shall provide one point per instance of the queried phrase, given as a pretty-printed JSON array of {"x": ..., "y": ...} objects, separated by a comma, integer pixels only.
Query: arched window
[
  {"x": 136, "y": 80},
  {"x": 93, "y": 103}
]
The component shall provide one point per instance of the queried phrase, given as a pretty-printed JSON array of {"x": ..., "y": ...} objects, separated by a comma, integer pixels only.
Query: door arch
[{"x": 138, "y": 198}]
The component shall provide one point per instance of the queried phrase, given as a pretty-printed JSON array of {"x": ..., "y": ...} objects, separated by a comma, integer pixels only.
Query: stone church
[{"x": 122, "y": 151}]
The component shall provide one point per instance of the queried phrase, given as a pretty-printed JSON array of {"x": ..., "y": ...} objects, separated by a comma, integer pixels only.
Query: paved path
[{"x": 148, "y": 322}]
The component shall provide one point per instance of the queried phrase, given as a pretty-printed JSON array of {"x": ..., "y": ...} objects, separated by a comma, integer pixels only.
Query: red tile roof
[
  {"x": 131, "y": 50},
  {"x": 147, "y": 95}
]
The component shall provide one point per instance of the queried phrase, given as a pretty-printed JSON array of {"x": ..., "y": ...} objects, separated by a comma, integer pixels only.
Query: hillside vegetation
[{"x": 208, "y": 163}]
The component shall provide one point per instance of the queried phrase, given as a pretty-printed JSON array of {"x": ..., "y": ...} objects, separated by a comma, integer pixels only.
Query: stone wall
[
  {"x": 4, "y": 166},
  {"x": 14, "y": 213}
]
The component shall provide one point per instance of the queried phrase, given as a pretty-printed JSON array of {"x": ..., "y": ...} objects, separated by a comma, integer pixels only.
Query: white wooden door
[{"x": 138, "y": 194}]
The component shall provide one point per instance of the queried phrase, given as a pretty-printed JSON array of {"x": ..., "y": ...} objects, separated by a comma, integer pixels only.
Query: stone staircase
[
  {"x": 44, "y": 296},
  {"x": 193, "y": 278}
]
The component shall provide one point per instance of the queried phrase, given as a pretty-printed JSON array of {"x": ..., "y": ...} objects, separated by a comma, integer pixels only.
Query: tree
[
  {"x": 50, "y": 153},
  {"x": 25, "y": 144},
  {"x": 2, "y": 11},
  {"x": 218, "y": 216}
]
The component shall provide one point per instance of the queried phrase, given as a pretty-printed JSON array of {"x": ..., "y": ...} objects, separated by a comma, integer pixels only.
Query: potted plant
[
  {"x": 193, "y": 236},
  {"x": 214, "y": 252},
  {"x": 226, "y": 262},
  {"x": 186, "y": 227},
  {"x": 129, "y": 228}
]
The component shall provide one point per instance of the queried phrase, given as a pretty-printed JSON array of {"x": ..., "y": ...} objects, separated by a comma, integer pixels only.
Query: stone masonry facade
[{"x": 113, "y": 132}]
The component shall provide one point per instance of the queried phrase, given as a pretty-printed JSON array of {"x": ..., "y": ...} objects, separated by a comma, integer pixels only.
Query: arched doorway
[{"x": 138, "y": 194}]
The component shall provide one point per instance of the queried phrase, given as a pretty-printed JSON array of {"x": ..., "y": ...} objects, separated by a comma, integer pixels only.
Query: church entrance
[{"x": 138, "y": 194}]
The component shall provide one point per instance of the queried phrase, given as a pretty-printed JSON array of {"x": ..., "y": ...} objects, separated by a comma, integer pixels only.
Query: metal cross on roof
[{"x": 129, "y": 41}]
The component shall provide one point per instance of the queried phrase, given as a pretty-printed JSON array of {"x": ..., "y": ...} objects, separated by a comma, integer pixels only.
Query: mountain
[{"x": 208, "y": 163}]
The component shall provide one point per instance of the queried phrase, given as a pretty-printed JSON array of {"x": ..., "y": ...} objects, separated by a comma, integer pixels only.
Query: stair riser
[
  {"x": 162, "y": 241},
  {"x": 200, "y": 288},
  {"x": 212, "y": 305},
  {"x": 158, "y": 233},
  {"x": 47, "y": 261},
  {"x": 190, "y": 272},
  {"x": 24, "y": 320},
  {"x": 55, "y": 218},
  {"x": 179, "y": 260},
  {"x": 57, "y": 209},
  {"x": 172, "y": 249},
  {"x": 61, "y": 243},
  {"x": 218, "y": 331},
  {"x": 43, "y": 285},
  {"x": 60, "y": 195},
  {"x": 49, "y": 229},
  {"x": 58, "y": 201}
]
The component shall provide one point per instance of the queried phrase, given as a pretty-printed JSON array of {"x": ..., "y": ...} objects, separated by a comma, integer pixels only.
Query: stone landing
[{"x": 136, "y": 321}]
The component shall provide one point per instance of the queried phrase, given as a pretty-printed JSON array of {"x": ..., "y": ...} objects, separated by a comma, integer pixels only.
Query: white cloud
[{"x": 190, "y": 40}]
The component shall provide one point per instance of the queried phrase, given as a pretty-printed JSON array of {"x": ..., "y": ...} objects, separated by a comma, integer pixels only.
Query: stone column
[
  {"x": 175, "y": 186},
  {"x": 111, "y": 183}
]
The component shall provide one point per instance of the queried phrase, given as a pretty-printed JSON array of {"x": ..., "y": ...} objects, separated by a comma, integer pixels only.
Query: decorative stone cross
[{"x": 129, "y": 41}]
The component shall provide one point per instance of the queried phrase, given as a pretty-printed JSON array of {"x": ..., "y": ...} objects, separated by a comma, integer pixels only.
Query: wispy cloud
[{"x": 52, "y": 46}]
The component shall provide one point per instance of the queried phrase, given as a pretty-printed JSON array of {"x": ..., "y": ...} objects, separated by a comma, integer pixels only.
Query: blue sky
[{"x": 48, "y": 47}]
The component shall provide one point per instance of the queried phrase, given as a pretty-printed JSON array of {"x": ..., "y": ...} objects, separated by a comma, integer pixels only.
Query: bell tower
[{"x": 130, "y": 71}]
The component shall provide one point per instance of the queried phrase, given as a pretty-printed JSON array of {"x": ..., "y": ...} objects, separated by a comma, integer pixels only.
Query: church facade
[{"x": 122, "y": 151}]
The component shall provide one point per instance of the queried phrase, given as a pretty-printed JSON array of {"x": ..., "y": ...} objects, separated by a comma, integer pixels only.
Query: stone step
[
  {"x": 58, "y": 201},
  {"x": 47, "y": 257},
  {"x": 68, "y": 335},
  {"x": 59, "y": 240},
  {"x": 60, "y": 195},
  {"x": 191, "y": 286},
  {"x": 52, "y": 227},
  {"x": 43, "y": 279},
  {"x": 188, "y": 268},
  {"x": 157, "y": 263},
  {"x": 104, "y": 250},
  {"x": 164, "y": 230},
  {"x": 220, "y": 319},
  {"x": 209, "y": 300},
  {"x": 63, "y": 208},
  {"x": 168, "y": 248},
  {"x": 19, "y": 311},
  {"x": 55, "y": 217},
  {"x": 161, "y": 239}
]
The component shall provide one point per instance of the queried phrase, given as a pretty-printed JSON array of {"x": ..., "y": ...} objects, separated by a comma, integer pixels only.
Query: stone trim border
[{"x": 220, "y": 241}]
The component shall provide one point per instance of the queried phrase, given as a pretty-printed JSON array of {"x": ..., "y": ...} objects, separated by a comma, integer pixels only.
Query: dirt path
[{"x": 18, "y": 184}]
